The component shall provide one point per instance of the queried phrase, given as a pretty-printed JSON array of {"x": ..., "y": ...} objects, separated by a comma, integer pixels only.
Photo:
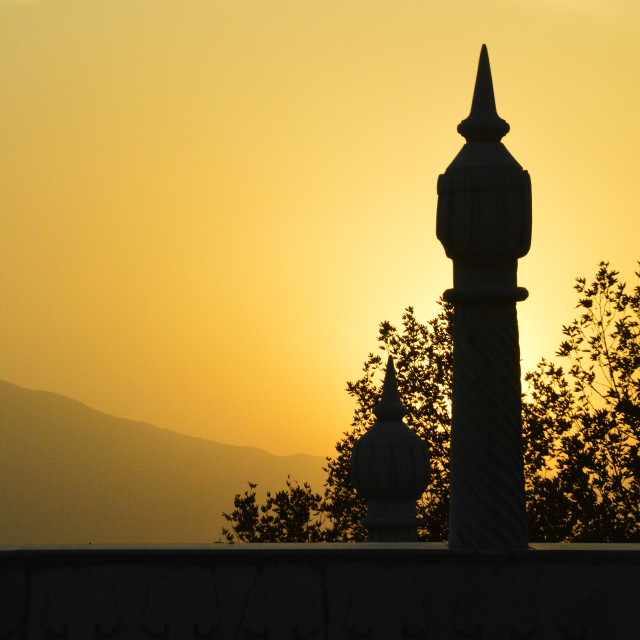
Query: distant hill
[{"x": 73, "y": 475}]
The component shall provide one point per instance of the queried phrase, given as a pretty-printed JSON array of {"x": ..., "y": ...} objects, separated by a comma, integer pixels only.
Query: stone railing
[{"x": 381, "y": 591}]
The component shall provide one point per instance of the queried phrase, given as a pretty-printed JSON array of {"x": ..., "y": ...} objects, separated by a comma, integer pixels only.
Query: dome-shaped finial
[
  {"x": 483, "y": 123},
  {"x": 390, "y": 468},
  {"x": 390, "y": 406}
]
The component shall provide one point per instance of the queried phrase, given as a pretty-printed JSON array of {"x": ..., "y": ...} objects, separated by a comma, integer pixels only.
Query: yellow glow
[{"x": 208, "y": 206}]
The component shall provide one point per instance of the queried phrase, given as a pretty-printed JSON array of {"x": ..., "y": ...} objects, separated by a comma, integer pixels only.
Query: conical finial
[
  {"x": 390, "y": 406},
  {"x": 483, "y": 123}
]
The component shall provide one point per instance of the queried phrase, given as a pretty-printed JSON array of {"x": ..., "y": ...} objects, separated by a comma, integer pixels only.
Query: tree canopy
[{"x": 581, "y": 429}]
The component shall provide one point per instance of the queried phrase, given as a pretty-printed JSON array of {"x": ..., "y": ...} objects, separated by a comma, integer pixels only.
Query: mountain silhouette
[{"x": 72, "y": 475}]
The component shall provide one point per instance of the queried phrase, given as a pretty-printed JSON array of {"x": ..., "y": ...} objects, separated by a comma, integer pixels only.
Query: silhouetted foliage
[
  {"x": 294, "y": 514},
  {"x": 585, "y": 421},
  {"x": 580, "y": 428}
]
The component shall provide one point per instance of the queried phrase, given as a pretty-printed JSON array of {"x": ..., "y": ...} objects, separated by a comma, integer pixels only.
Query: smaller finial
[
  {"x": 390, "y": 468},
  {"x": 390, "y": 406},
  {"x": 483, "y": 123}
]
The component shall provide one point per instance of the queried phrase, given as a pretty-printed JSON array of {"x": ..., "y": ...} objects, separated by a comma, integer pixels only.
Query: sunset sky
[{"x": 208, "y": 206}]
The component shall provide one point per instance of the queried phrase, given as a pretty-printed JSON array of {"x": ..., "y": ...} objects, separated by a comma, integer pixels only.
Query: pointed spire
[
  {"x": 390, "y": 406},
  {"x": 483, "y": 123}
]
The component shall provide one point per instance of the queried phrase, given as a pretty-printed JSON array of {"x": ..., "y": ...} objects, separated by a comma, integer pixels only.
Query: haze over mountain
[{"x": 72, "y": 475}]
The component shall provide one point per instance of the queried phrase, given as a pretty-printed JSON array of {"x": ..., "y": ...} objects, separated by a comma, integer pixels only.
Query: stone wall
[{"x": 376, "y": 591}]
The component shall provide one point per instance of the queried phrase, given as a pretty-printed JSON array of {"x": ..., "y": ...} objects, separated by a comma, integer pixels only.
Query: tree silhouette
[
  {"x": 585, "y": 422},
  {"x": 581, "y": 426}
]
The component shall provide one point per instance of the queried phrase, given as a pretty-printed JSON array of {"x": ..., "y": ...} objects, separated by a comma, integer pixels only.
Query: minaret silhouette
[{"x": 484, "y": 224}]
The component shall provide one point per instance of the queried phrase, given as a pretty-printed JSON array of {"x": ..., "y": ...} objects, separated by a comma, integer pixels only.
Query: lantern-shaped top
[
  {"x": 484, "y": 196},
  {"x": 390, "y": 461}
]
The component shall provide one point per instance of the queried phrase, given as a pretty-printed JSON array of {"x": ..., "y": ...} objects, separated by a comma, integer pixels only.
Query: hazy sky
[{"x": 208, "y": 206}]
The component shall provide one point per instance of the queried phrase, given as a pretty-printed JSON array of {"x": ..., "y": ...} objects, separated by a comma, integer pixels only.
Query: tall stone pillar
[{"x": 484, "y": 224}]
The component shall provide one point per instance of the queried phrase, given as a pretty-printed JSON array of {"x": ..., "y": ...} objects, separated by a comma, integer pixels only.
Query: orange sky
[{"x": 209, "y": 205}]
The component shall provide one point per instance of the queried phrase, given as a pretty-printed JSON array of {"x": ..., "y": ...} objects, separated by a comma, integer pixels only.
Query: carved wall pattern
[
  {"x": 387, "y": 603},
  {"x": 81, "y": 605},
  {"x": 182, "y": 605},
  {"x": 12, "y": 594},
  {"x": 422, "y": 595},
  {"x": 501, "y": 609},
  {"x": 285, "y": 602},
  {"x": 602, "y": 607}
]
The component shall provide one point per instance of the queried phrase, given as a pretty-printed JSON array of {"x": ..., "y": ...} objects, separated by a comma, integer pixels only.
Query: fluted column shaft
[{"x": 487, "y": 479}]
